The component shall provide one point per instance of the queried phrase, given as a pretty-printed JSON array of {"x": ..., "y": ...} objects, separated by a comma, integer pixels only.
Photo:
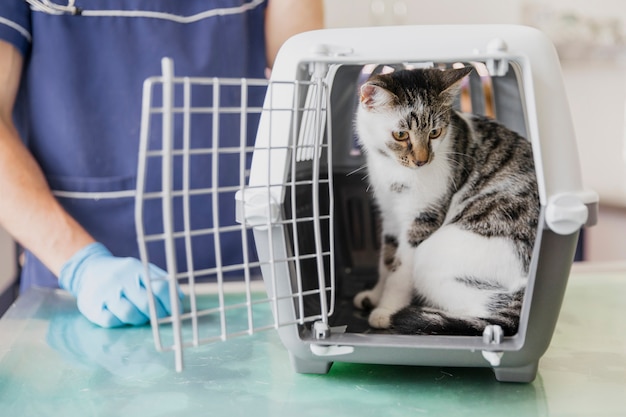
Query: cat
[{"x": 459, "y": 205}]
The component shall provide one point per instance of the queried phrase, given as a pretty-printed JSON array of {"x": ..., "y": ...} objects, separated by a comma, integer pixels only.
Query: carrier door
[{"x": 238, "y": 245}]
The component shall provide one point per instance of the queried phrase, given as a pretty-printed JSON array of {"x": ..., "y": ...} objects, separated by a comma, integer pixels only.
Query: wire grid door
[{"x": 200, "y": 219}]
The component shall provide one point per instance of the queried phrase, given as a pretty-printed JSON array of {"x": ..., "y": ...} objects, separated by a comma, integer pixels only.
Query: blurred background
[{"x": 591, "y": 42}]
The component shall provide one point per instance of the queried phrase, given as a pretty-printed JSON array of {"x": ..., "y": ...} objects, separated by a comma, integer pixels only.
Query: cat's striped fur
[{"x": 459, "y": 205}]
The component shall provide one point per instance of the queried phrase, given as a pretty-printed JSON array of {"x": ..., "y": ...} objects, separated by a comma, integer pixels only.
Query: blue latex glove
[{"x": 111, "y": 291}]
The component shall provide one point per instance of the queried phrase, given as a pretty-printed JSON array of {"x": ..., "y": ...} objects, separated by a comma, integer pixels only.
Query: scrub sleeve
[{"x": 79, "y": 105}]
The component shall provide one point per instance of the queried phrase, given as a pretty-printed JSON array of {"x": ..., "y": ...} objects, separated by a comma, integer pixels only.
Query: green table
[{"x": 53, "y": 362}]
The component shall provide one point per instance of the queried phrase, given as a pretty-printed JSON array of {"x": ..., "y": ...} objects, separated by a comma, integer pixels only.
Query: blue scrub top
[{"x": 79, "y": 105}]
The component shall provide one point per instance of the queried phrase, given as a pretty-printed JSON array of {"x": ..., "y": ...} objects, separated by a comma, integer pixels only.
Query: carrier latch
[
  {"x": 493, "y": 335},
  {"x": 322, "y": 331},
  {"x": 255, "y": 207},
  {"x": 497, "y": 67},
  {"x": 568, "y": 212}
]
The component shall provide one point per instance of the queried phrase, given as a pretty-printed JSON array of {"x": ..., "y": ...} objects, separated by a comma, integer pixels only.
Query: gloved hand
[{"x": 112, "y": 291}]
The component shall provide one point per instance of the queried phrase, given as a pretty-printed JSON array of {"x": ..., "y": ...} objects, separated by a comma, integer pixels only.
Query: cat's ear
[
  {"x": 452, "y": 80},
  {"x": 374, "y": 96}
]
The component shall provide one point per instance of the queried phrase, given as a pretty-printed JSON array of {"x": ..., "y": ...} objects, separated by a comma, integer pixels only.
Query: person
[{"x": 71, "y": 76}]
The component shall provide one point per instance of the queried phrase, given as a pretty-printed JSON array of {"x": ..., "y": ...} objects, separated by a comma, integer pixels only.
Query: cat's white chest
[{"x": 403, "y": 193}]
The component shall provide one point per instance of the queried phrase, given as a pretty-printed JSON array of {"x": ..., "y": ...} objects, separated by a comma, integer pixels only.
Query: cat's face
[{"x": 405, "y": 115}]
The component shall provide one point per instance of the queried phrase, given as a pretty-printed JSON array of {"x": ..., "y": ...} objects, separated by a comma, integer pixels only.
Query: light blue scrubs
[{"x": 79, "y": 105}]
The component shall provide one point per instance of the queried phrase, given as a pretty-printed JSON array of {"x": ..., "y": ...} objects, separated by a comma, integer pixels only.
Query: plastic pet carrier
[{"x": 295, "y": 204}]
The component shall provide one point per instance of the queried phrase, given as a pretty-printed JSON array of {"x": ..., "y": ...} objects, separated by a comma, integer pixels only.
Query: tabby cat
[{"x": 458, "y": 198}]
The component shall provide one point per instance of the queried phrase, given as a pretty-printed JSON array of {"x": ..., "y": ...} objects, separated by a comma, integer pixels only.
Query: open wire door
[{"x": 193, "y": 192}]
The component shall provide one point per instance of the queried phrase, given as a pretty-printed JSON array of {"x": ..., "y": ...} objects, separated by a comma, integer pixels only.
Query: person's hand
[{"x": 112, "y": 291}]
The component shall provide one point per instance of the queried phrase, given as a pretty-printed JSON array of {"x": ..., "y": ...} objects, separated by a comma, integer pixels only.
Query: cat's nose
[{"x": 420, "y": 156}]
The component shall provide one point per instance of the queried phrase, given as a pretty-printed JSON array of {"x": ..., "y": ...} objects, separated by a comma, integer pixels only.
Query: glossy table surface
[{"x": 53, "y": 362}]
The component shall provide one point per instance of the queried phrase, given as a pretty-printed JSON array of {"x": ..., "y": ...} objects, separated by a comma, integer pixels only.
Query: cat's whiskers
[
  {"x": 361, "y": 168},
  {"x": 452, "y": 177},
  {"x": 457, "y": 162},
  {"x": 454, "y": 184},
  {"x": 458, "y": 153}
]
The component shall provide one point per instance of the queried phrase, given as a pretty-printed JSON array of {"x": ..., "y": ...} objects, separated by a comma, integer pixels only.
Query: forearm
[
  {"x": 28, "y": 211},
  {"x": 286, "y": 18}
]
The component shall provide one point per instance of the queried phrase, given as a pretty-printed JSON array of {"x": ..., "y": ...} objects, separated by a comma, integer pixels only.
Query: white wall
[
  {"x": 597, "y": 96},
  {"x": 597, "y": 9},
  {"x": 353, "y": 13}
]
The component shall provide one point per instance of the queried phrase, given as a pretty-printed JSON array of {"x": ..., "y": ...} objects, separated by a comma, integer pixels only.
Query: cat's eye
[
  {"x": 400, "y": 135},
  {"x": 435, "y": 133}
]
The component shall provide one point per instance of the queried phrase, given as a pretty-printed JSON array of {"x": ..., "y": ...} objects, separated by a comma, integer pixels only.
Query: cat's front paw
[
  {"x": 366, "y": 300},
  {"x": 380, "y": 318}
]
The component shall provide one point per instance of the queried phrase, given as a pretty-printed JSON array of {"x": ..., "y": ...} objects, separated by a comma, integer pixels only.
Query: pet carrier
[{"x": 305, "y": 220}]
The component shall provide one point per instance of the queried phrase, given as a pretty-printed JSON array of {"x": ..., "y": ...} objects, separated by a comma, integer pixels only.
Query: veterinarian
[{"x": 71, "y": 76}]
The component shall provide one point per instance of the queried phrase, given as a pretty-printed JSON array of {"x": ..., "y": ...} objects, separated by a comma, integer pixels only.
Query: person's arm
[
  {"x": 28, "y": 211},
  {"x": 110, "y": 291},
  {"x": 285, "y": 18}
]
